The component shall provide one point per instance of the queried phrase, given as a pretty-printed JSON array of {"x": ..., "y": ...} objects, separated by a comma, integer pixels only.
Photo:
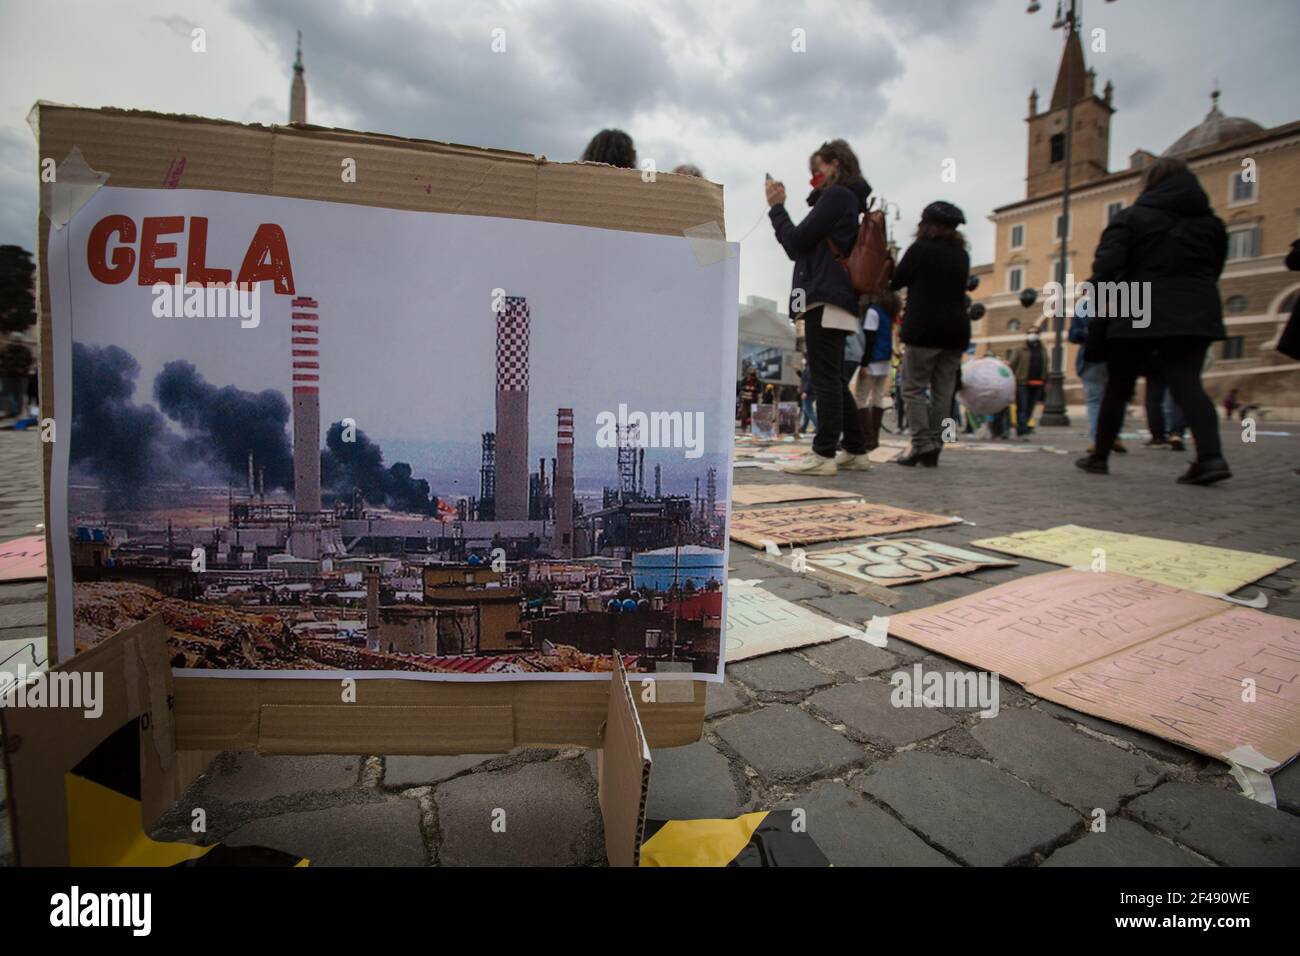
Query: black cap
[{"x": 943, "y": 212}]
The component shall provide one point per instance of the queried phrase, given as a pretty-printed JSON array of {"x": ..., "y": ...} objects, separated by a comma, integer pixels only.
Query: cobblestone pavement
[{"x": 812, "y": 728}]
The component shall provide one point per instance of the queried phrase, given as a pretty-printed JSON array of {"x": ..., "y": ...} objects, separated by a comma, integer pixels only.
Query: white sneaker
[
  {"x": 851, "y": 462},
  {"x": 811, "y": 464}
]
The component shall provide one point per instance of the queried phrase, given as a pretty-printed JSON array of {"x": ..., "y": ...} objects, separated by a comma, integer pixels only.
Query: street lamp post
[{"x": 1054, "y": 412}]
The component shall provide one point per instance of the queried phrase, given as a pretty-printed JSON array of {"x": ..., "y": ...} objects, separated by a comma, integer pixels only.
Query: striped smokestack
[
  {"x": 305, "y": 341},
  {"x": 562, "y": 545},
  {"x": 512, "y": 410}
]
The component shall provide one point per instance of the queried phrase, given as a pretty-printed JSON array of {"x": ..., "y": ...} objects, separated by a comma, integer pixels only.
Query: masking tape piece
[
  {"x": 1259, "y": 601},
  {"x": 876, "y": 634},
  {"x": 1248, "y": 756},
  {"x": 708, "y": 243},
  {"x": 672, "y": 689},
  {"x": 74, "y": 183},
  {"x": 1254, "y": 784}
]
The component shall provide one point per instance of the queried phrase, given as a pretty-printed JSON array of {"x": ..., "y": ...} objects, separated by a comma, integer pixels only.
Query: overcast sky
[{"x": 909, "y": 83}]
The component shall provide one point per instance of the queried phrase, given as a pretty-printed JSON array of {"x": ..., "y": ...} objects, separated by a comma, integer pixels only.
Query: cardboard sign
[
  {"x": 901, "y": 561},
  {"x": 759, "y": 622},
  {"x": 23, "y": 559},
  {"x": 133, "y": 149},
  {"x": 1209, "y": 676},
  {"x": 763, "y": 421},
  {"x": 807, "y": 524},
  {"x": 253, "y": 432},
  {"x": 1195, "y": 567},
  {"x": 765, "y": 494}
]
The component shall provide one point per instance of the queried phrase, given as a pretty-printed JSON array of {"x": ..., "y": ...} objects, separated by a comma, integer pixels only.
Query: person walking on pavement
[
  {"x": 1091, "y": 374},
  {"x": 1170, "y": 248},
  {"x": 872, "y": 383},
  {"x": 806, "y": 397},
  {"x": 935, "y": 327},
  {"x": 1029, "y": 365},
  {"x": 823, "y": 296},
  {"x": 749, "y": 391}
]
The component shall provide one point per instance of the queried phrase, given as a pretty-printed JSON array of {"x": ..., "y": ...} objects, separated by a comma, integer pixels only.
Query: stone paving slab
[
  {"x": 721, "y": 699},
  {"x": 1165, "y": 749},
  {"x": 851, "y": 657},
  {"x": 852, "y": 831},
  {"x": 240, "y": 777},
  {"x": 401, "y": 771},
  {"x": 551, "y": 817},
  {"x": 363, "y": 834},
  {"x": 1226, "y": 827},
  {"x": 779, "y": 673},
  {"x": 783, "y": 743},
  {"x": 1077, "y": 769},
  {"x": 866, "y": 707},
  {"x": 976, "y": 812},
  {"x": 691, "y": 783},
  {"x": 1123, "y": 843}
]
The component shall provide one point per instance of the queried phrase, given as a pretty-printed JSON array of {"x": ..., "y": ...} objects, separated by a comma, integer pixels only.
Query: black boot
[
  {"x": 1093, "y": 465},
  {"x": 1205, "y": 472},
  {"x": 926, "y": 459}
]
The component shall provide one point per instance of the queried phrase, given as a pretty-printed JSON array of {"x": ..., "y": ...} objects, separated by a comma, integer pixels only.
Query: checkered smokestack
[
  {"x": 512, "y": 410},
  {"x": 305, "y": 341},
  {"x": 562, "y": 545}
]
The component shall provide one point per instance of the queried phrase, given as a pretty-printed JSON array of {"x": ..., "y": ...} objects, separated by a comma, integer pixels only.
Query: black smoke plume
[
  {"x": 359, "y": 464},
  {"x": 120, "y": 442},
  {"x": 223, "y": 424}
]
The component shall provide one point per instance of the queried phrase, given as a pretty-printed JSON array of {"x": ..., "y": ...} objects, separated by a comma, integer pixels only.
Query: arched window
[
  {"x": 1013, "y": 325},
  {"x": 1236, "y": 304},
  {"x": 1286, "y": 305}
]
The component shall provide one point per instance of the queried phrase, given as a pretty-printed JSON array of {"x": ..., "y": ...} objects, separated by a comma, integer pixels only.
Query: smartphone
[{"x": 768, "y": 177}]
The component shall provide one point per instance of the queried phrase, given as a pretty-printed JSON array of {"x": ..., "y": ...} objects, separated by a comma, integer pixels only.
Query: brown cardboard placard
[
  {"x": 1207, "y": 675},
  {"x": 141, "y": 150},
  {"x": 896, "y": 561},
  {"x": 42, "y": 744},
  {"x": 767, "y": 494},
  {"x": 807, "y": 524},
  {"x": 623, "y": 773}
]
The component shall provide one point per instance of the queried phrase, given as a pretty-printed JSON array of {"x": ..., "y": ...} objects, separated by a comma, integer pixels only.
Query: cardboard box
[
  {"x": 294, "y": 716},
  {"x": 43, "y": 745}
]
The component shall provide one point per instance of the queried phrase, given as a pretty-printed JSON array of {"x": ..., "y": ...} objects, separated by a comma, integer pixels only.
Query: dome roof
[{"x": 1214, "y": 129}]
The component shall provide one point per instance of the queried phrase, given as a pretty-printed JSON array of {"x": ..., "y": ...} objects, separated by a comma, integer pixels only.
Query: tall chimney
[
  {"x": 512, "y": 410},
  {"x": 305, "y": 341},
  {"x": 562, "y": 545},
  {"x": 250, "y": 473}
]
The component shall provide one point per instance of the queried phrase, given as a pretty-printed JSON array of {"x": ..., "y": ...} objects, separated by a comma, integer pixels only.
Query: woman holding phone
[{"x": 822, "y": 295}]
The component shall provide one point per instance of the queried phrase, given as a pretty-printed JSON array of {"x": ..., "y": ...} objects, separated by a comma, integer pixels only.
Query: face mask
[
  {"x": 817, "y": 180},
  {"x": 1033, "y": 340}
]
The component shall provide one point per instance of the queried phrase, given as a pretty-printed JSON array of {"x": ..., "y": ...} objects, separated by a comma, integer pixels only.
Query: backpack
[{"x": 868, "y": 264}]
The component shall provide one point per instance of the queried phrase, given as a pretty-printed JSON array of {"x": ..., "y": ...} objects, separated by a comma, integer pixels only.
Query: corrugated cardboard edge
[
  {"x": 139, "y": 148},
  {"x": 42, "y": 744},
  {"x": 623, "y": 774}
]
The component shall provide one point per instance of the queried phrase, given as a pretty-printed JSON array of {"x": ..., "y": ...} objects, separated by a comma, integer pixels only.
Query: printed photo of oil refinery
[{"x": 220, "y": 509}]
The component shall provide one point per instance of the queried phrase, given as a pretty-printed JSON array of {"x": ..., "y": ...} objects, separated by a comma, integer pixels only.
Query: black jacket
[
  {"x": 816, "y": 271},
  {"x": 1172, "y": 239},
  {"x": 1288, "y": 342},
  {"x": 934, "y": 272}
]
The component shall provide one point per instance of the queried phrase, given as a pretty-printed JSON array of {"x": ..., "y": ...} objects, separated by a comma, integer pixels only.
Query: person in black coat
[
  {"x": 935, "y": 327},
  {"x": 1168, "y": 248},
  {"x": 823, "y": 296}
]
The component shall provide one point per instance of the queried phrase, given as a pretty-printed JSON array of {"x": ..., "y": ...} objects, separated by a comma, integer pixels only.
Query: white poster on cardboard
[{"x": 458, "y": 413}]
